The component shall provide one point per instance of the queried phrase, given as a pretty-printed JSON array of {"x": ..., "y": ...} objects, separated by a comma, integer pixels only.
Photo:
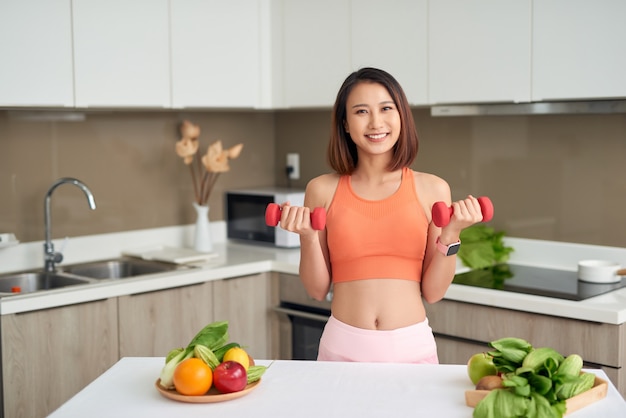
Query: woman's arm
[
  {"x": 438, "y": 269},
  {"x": 314, "y": 257}
]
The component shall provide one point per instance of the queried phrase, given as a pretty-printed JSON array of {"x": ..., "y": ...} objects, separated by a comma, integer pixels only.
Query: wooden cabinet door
[
  {"x": 479, "y": 51},
  {"x": 153, "y": 323},
  {"x": 50, "y": 355},
  {"x": 403, "y": 52},
  {"x": 316, "y": 37},
  {"x": 457, "y": 351},
  {"x": 216, "y": 53},
  {"x": 578, "y": 49},
  {"x": 36, "y": 51},
  {"x": 121, "y": 53},
  {"x": 246, "y": 302}
]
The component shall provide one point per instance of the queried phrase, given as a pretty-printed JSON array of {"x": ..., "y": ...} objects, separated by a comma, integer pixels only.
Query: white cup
[{"x": 600, "y": 271}]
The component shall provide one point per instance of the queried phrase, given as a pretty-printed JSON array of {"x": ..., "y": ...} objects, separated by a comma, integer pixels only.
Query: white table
[{"x": 302, "y": 389}]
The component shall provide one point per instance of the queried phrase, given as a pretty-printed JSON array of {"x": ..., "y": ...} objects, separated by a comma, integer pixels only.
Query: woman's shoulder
[
  {"x": 431, "y": 186},
  {"x": 321, "y": 189}
]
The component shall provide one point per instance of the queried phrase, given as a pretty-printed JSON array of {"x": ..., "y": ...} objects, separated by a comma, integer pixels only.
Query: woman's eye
[
  {"x": 361, "y": 111},
  {"x": 388, "y": 108}
]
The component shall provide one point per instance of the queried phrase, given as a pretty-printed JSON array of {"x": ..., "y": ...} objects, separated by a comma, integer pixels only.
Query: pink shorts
[{"x": 412, "y": 344}]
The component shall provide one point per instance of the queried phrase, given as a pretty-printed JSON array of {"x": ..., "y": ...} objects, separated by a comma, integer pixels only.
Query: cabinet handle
[
  {"x": 301, "y": 314},
  {"x": 167, "y": 288}
]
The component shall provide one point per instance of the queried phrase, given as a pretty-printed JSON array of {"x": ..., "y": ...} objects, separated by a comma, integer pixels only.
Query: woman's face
[{"x": 372, "y": 118}]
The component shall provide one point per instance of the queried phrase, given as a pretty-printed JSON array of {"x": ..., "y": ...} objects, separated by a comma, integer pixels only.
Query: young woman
[{"x": 380, "y": 251}]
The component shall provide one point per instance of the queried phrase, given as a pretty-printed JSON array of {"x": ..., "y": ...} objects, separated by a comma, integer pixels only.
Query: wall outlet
[{"x": 293, "y": 166}]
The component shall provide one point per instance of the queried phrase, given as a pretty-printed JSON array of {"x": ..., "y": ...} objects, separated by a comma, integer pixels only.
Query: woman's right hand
[{"x": 296, "y": 219}]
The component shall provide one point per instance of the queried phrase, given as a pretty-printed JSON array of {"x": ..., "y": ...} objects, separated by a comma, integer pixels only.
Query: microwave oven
[{"x": 245, "y": 215}]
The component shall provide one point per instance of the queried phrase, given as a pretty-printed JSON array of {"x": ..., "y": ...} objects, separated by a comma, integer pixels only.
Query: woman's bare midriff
[{"x": 378, "y": 304}]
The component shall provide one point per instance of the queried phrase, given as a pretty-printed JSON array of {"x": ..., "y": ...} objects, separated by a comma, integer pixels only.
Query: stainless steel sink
[
  {"x": 119, "y": 268},
  {"x": 81, "y": 274},
  {"x": 28, "y": 282}
]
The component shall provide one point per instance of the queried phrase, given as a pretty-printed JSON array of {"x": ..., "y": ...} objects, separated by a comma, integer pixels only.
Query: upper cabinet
[
  {"x": 36, "y": 50},
  {"x": 578, "y": 49},
  {"x": 121, "y": 53},
  {"x": 402, "y": 50},
  {"x": 326, "y": 40},
  {"x": 316, "y": 45},
  {"x": 479, "y": 51},
  {"x": 272, "y": 54},
  {"x": 216, "y": 53}
]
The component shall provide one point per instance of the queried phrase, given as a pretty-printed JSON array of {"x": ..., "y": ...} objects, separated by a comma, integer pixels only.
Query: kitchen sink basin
[
  {"x": 120, "y": 268},
  {"x": 28, "y": 282},
  {"x": 80, "y": 274}
]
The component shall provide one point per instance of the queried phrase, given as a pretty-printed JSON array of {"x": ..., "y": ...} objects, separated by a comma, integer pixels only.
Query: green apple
[{"x": 480, "y": 365}]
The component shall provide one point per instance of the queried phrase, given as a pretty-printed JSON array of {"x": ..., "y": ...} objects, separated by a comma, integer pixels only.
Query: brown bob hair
[{"x": 342, "y": 153}]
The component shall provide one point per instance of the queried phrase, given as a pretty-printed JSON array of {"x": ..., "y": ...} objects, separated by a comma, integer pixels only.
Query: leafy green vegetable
[
  {"x": 213, "y": 336},
  {"x": 575, "y": 386},
  {"x": 511, "y": 349},
  {"x": 482, "y": 247},
  {"x": 501, "y": 403},
  {"x": 536, "y": 381}
]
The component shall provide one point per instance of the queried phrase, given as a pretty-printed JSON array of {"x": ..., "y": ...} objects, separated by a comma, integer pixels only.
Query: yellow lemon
[{"x": 239, "y": 355}]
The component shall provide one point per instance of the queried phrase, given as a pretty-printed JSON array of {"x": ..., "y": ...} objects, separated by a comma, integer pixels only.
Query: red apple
[{"x": 230, "y": 376}]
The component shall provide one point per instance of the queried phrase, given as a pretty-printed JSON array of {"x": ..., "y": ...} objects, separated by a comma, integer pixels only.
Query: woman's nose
[{"x": 376, "y": 120}]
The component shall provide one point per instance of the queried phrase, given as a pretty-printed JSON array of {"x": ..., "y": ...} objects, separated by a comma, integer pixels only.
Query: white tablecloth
[{"x": 302, "y": 389}]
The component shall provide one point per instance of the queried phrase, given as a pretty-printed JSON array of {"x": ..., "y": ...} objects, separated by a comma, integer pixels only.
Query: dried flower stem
[
  {"x": 211, "y": 177},
  {"x": 195, "y": 185}
]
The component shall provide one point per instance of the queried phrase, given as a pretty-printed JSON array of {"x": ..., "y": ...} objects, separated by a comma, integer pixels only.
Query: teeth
[{"x": 379, "y": 136}]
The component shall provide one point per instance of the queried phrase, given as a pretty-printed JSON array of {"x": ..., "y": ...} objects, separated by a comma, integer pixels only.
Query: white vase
[{"x": 202, "y": 239}]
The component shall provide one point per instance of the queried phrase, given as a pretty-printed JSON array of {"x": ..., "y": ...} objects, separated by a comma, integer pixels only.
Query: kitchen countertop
[
  {"x": 303, "y": 389},
  {"x": 236, "y": 260}
]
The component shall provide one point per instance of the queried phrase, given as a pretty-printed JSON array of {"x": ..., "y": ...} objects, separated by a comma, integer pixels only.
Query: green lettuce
[{"x": 482, "y": 247}]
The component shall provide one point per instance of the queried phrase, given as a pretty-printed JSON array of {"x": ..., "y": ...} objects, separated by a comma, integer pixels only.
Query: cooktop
[{"x": 540, "y": 281}]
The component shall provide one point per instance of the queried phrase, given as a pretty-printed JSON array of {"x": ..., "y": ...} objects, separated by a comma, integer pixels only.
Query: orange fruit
[
  {"x": 239, "y": 355},
  {"x": 193, "y": 377}
]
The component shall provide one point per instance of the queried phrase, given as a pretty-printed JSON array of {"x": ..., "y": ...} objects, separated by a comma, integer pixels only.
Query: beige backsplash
[{"x": 553, "y": 177}]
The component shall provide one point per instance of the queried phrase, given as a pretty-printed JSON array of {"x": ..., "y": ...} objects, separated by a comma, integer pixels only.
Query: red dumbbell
[
  {"x": 318, "y": 216},
  {"x": 442, "y": 213}
]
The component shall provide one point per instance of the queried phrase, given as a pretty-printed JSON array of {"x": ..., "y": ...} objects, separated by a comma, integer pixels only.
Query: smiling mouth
[{"x": 377, "y": 137}]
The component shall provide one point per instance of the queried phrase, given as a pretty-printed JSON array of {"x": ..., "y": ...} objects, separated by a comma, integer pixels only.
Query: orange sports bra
[{"x": 370, "y": 239}]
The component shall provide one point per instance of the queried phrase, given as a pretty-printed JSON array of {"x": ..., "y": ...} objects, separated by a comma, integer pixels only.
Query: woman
[{"x": 380, "y": 250}]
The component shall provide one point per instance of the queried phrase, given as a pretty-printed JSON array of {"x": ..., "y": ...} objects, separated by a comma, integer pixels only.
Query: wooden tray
[
  {"x": 212, "y": 395},
  {"x": 597, "y": 392}
]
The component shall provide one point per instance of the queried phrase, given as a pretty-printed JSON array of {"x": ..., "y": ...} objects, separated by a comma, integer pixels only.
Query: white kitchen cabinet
[
  {"x": 121, "y": 53},
  {"x": 578, "y": 49},
  {"x": 216, "y": 53},
  {"x": 402, "y": 51},
  {"x": 36, "y": 50},
  {"x": 153, "y": 323},
  {"x": 317, "y": 57},
  {"x": 479, "y": 51},
  {"x": 50, "y": 355}
]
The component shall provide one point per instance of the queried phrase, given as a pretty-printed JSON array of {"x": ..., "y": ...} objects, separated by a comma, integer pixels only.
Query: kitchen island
[{"x": 302, "y": 389}]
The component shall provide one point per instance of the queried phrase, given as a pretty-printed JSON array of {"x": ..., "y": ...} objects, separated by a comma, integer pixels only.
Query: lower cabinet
[
  {"x": 153, "y": 323},
  {"x": 462, "y": 329},
  {"x": 247, "y": 302},
  {"x": 51, "y": 354}
]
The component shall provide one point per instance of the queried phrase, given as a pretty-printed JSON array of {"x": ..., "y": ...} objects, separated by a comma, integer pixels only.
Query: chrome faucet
[{"x": 50, "y": 256}]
